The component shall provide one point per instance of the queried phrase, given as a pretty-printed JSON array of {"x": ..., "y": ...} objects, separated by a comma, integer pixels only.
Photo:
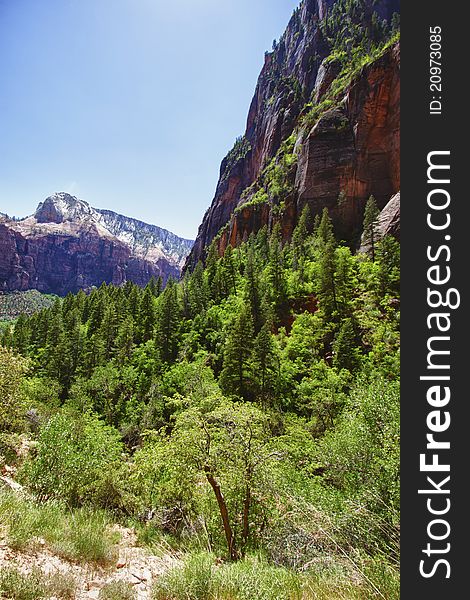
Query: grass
[
  {"x": 117, "y": 590},
  {"x": 62, "y": 585},
  {"x": 82, "y": 535},
  {"x": 16, "y": 585},
  {"x": 201, "y": 578}
]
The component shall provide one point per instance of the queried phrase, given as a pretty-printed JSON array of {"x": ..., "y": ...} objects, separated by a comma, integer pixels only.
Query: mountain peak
[{"x": 61, "y": 207}]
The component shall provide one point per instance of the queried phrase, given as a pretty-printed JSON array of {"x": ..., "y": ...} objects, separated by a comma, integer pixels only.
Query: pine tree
[
  {"x": 370, "y": 235},
  {"x": 325, "y": 244},
  {"x": 147, "y": 315},
  {"x": 262, "y": 244},
  {"x": 167, "y": 324},
  {"x": 198, "y": 293},
  {"x": 107, "y": 331},
  {"x": 125, "y": 340},
  {"x": 236, "y": 375},
  {"x": 133, "y": 300},
  {"x": 264, "y": 360},
  {"x": 229, "y": 271},
  {"x": 97, "y": 310},
  {"x": 253, "y": 291},
  {"x": 388, "y": 259},
  {"x": 210, "y": 272},
  {"x": 299, "y": 241},
  {"x": 276, "y": 278},
  {"x": 72, "y": 347},
  {"x": 21, "y": 335},
  {"x": 345, "y": 347},
  {"x": 155, "y": 286}
]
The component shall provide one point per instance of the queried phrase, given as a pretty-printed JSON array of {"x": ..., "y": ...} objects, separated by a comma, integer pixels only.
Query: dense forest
[{"x": 250, "y": 409}]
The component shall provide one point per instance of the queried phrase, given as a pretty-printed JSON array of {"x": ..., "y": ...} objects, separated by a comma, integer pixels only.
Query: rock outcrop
[
  {"x": 67, "y": 245},
  {"x": 351, "y": 148}
]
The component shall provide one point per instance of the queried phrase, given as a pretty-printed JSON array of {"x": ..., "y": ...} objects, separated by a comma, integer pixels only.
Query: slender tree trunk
[
  {"x": 246, "y": 517},
  {"x": 223, "y": 513}
]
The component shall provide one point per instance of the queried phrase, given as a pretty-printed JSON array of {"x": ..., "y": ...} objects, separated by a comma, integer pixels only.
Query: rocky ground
[{"x": 134, "y": 565}]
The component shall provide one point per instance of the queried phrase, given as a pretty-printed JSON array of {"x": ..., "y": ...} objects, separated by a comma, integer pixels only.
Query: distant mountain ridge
[{"x": 67, "y": 245}]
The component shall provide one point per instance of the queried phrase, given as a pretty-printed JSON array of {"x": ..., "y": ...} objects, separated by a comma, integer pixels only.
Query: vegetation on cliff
[{"x": 269, "y": 175}]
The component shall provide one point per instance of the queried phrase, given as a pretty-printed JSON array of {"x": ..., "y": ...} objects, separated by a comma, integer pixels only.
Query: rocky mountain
[
  {"x": 323, "y": 127},
  {"x": 67, "y": 245}
]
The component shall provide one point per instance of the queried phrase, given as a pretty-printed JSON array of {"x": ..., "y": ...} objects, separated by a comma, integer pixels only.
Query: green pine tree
[
  {"x": 167, "y": 324},
  {"x": 370, "y": 226},
  {"x": 236, "y": 376}
]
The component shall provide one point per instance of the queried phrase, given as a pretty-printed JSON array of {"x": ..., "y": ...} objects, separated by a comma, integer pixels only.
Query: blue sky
[{"x": 128, "y": 104}]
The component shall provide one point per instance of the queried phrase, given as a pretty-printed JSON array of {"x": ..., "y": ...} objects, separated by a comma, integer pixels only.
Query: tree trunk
[
  {"x": 246, "y": 517},
  {"x": 223, "y": 513}
]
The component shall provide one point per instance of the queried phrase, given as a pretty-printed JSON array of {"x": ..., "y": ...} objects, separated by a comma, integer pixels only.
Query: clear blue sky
[{"x": 128, "y": 104}]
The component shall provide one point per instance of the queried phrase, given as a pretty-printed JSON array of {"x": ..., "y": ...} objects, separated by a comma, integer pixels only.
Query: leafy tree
[
  {"x": 76, "y": 457},
  {"x": 230, "y": 447},
  {"x": 13, "y": 404},
  {"x": 362, "y": 453}
]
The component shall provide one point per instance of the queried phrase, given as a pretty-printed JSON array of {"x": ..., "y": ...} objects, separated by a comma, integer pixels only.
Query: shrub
[
  {"x": 35, "y": 585},
  {"x": 76, "y": 456},
  {"x": 85, "y": 537}
]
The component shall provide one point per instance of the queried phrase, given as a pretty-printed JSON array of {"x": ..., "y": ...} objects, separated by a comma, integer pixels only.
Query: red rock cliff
[{"x": 352, "y": 149}]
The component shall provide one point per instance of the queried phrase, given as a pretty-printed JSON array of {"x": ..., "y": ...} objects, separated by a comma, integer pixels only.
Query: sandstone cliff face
[
  {"x": 272, "y": 116},
  {"x": 67, "y": 245},
  {"x": 353, "y": 149}
]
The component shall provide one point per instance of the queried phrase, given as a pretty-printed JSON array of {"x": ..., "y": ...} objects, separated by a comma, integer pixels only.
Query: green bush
[
  {"x": 62, "y": 585},
  {"x": 192, "y": 581},
  {"x": 76, "y": 457}
]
